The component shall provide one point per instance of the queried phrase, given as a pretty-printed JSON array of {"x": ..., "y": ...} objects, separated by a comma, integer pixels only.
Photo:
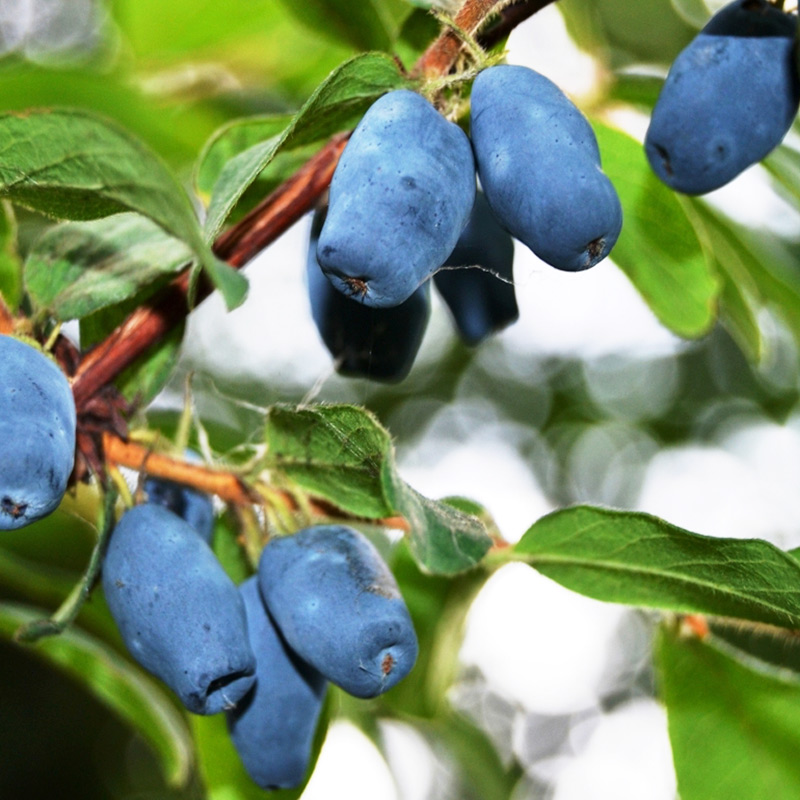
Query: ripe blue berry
[
  {"x": 481, "y": 301},
  {"x": 376, "y": 343},
  {"x": 180, "y": 615},
  {"x": 272, "y": 727},
  {"x": 400, "y": 196},
  {"x": 194, "y": 507},
  {"x": 539, "y": 166},
  {"x": 37, "y": 434},
  {"x": 339, "y": 608},
  {"x": 728, "y": 100}
]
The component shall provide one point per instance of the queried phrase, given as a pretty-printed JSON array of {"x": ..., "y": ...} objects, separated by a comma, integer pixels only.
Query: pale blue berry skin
[
  {"x": 272, "y": 727},
  {"x": 728, "y": 100},
  {"x": 400, "y": 196},
  {"x": 539, "y": 166},
  {"x": 194, "y": 507},
  {"x": 37, "y": 434},
  {"x": 376, "y": 343},
  {"x": 480, "y": 302},
  {"x": 339, "y": 607},
  {"x": 179, "y": 614}
]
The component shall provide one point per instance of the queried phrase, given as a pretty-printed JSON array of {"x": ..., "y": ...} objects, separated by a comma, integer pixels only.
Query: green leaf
[
  {"x": 10, "y": 262},
  {"x": 116, "y": 683},
  {"x": 221, "y": 769},
  {"x": 641, "y": 560},
  {"x": 337, "y": 452},
  {"x": 337, "y": 104},
  {"x": 373, "y": 25},
  {"x": 776, "y": 648},
  {"x": 71, "y": 164},
  {"x": 735, "y": 732},
  {"x": 658, "y": 248},
  {"x": 762, "y": 266},
  {"x": 77, "y": 268},
  {"x": 232, "y": 139},
  {"x": 342, "y": 453},
  {"x": 443, "y": 539},
  {"x": 739, "y": 299}
]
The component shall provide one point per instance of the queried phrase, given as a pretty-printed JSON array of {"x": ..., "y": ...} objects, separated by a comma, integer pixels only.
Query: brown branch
[
  {"x": 225, "y": 485},
  {"x": 439, "y": 58},
  {"x": 510, "y": 17}
]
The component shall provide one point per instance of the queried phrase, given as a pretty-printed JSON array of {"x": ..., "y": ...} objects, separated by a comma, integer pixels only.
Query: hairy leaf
[
  {"x": 658, "y": 248},
  {"x": 71, "y": 164},
  {"x": 77, "y": 268},
  {"x": 336, "y": 105},
  {"x": 735, "y": 732},
  {"x": 116, "y": 683},
  {"x": 641, "y": 560}
]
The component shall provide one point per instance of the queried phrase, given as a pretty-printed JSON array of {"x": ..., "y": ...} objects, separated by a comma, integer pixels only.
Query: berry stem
[
  {"x": 68, "y": 611},
  {"x": 226, "y": 485},
  {"x": 440, "y": 57}
]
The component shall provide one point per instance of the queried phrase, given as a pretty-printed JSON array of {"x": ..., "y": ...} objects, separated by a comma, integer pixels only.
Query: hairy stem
[{"x": 225, "y": 485}]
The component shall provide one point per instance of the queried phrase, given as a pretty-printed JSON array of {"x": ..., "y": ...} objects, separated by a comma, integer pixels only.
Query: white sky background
[{"x": 546, "y": 650}]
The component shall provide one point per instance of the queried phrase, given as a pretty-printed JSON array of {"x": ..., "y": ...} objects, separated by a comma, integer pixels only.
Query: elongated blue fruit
[
  {"x": 272, "y": 727},
  {"x": 339, "y": 608},
  {"x": 180, "y": 615},
  {"x": 539, "y": 166},
  {"x": 376, "y": 343},
  {"x": 728, "y": 100},
  {"x": 194, "y": 507},
  {"x": 481, "y": 301},
  {"x": 400, "y": 196},
  {"x": 37, "y": 434}
]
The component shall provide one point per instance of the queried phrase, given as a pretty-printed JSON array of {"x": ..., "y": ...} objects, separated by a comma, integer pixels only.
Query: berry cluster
[
  {"x": 729, "y": 98},
  {"x": 323, "y": 607},
  {"x": 403, "y": 209}
]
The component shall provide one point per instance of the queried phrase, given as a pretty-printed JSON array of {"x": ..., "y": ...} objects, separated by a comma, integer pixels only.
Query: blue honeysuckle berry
[
  {"x": 37, "y": 434},
  {"x": 376, "y": 343},
  {"x": 481, "y": 301},
  {"x": 539, "y": 166},
  {"x": 197, "y": 508},
  {"x": 339, "y": 607},
  {"x": 179, "y": 614},
  {"x": 272, "y": 727},
  {"x": 399, "y": 199},
  {"x": 728, "y": 100}
]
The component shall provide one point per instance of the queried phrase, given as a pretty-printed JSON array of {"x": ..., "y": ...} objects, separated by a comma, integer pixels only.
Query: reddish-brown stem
[
  {"x": 510, "y": 17},
  {"x": 442, "y": 54},
  {"x": 225, "y": 485}
]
